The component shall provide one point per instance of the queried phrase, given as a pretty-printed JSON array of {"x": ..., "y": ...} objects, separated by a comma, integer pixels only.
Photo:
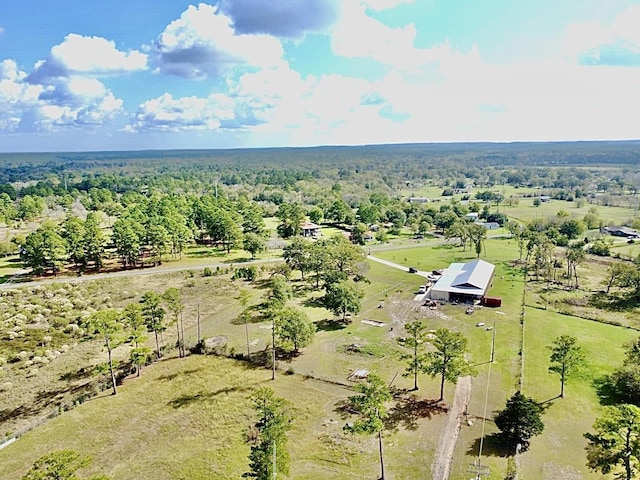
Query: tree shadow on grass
[
  {"x": 605, "y": 301},
  {"x": 45, "y": 401},
  {"x": 344, "y": 409},
  {"x": 172, "y": 376},
  {"x": 186, "y": 400},
  {"x": 330, "y": 325},
  {"x": 446, "y": 246},
  {"x": 79, "y": 374},
  {"x": 259, "y": 317},
  {"x": 494, "y": 445},
  {"x": 606, "y": 391},
  {"x": 313, "y": 302},
  {"x": 409, "y": 409}
]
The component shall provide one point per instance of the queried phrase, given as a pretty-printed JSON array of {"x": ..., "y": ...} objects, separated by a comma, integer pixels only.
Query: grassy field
[
  {"x": 559, "y": 451},
  {"x": 192, "y": 409},
  {"x": 188, "y": 419},
  {"x": 524, "y": 210}
]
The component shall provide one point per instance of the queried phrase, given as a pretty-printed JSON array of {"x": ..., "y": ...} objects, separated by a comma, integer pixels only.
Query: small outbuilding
[
  {"x": 309, "y": 229},
  {"x": 625, "y": 232}
]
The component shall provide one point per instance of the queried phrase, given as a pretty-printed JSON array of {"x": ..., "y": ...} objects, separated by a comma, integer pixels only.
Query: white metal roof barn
[{"x": 463, "y": 281}]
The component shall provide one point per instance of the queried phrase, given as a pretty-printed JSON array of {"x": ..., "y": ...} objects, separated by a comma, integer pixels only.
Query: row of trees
[
  {"x": 147, "y": 227},
  {"x": 131, "y": 325}
]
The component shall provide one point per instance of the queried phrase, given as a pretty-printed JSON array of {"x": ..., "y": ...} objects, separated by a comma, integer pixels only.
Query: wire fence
[{"x": 8, "y": 440}]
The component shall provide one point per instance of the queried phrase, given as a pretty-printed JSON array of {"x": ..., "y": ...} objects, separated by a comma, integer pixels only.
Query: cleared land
[{"x": 188, "y": 418}]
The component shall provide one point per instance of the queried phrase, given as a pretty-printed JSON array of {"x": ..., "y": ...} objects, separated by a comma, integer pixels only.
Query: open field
[
  {"x": 559, "y": 451},
  {"x": 197, "y": 408},
  {"x": 189, "y": 418}
]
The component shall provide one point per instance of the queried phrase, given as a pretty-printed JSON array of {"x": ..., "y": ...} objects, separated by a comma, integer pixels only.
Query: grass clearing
[
  {"x": 561, "y": 446},
  {"x": 207, "y": 409},
  {"x": 189, "y": 418}
]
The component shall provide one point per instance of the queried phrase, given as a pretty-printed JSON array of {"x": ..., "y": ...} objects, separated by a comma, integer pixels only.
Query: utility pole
[
  {"x": 493, "y": 342},
  {"x": 273, "y": 476},
  {"x": 273, "y": 348},
  {"x": 198, "y": 322},
  {"x": 246, "y": 331}
]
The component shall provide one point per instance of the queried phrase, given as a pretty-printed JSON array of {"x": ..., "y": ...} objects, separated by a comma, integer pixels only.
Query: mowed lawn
[
  {"x": 188, "y": 419},
  {"x": 559, "y": 451},
  {"x": 526, "y": 211}
]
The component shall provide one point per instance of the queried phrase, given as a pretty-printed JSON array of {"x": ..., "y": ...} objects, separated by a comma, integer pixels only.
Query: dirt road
[{"x": 449, "y": 437}]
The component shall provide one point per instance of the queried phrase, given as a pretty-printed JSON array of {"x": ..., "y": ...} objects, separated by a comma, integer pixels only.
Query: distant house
[
  {"x": 488, "y": 225},
  {"x": 309, "y": 229},
  {"x": 473, "y": 216},
  {"x": 625, "y": 232},
  {"x": 463, "y": 281},
  {"x": 368, "y": 236},
  {"x": 419, "y": 200},
  {"x": 544, "y": 198}
]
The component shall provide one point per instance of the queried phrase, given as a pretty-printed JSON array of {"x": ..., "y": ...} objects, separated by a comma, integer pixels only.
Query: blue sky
[{"x": 155, "y": 74}]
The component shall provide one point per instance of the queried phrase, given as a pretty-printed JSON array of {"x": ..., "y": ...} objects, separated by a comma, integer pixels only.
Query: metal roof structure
[{"x": 471, "y": 278}]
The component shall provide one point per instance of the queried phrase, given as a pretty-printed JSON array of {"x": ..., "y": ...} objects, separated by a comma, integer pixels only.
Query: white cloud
[
  {"x": 88, "y": 56},
  {"x": 378, "y": 5},
  {"x": 358, "y": 35},
  {"x": 95, "y": 55},
  {"x": 186, "y": 113},
  {"x": 203, "y": 43},
  {"x": 63, "y": 89},
  {"x": 598, "y": 44},
  {"x": 76, "y": 102},
  {"x": 16, "y": 96}
]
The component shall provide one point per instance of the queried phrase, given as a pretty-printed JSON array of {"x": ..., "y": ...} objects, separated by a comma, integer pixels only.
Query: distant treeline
[{"x": 385, "y": 158}]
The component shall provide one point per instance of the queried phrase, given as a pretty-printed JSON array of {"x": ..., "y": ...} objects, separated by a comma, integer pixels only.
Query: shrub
[
  {"x": 248, "y": 273},
  {"x": 207, "y": 272}
]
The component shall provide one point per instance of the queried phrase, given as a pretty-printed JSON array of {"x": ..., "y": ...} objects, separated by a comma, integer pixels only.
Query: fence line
[{"x": 8, "y": 440}]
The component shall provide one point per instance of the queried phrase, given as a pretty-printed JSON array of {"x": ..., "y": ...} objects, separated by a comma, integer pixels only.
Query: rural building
[
  {"x": 419, "y": 200},
  {"x": 621, "y": 232},
  {"x": 544, "y": 198},
  {"x": 473, "y": 216},
  {"x": 309, "y": 229},
  {"x": 488, "y": 225},
  {"x": 464, "y": 282}
]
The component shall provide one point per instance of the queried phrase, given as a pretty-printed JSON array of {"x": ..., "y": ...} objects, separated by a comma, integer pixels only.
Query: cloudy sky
[{"x": 152, "y": 74}]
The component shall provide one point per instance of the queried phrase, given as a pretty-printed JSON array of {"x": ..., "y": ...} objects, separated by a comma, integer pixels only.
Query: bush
[
  {"x": 247, "y": 273},
  {"x": 600, "y": 247}
]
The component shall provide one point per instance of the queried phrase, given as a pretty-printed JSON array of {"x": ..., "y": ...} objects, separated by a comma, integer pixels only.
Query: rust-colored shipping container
[{"x": 491, "y": 301}]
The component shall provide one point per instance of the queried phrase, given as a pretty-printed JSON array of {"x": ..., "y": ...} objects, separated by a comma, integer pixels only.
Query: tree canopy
[
  {"x": 615, "y": 445},
  {"x": 520, "y": 420}
]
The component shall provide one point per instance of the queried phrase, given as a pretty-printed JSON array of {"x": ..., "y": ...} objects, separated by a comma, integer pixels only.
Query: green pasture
[
  {"x": 436, "y": 192},
  {"x": 9, "y": 266},
  {"x": 526, "y": 211},
  {"x": 561, "y": 447},
  {"x": 188, "y": 419}
]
